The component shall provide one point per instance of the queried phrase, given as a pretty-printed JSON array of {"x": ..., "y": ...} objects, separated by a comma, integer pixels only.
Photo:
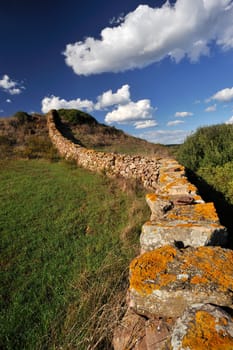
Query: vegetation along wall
[{"x": 180, "y": 292}]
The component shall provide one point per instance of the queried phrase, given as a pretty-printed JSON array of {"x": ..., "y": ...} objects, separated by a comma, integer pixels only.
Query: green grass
[{"x": 67, "y": 237}]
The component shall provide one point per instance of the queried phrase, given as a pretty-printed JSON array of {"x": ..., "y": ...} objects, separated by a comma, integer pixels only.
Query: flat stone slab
[
  {"x": 203, "y": 327},
  {"x": 165, "y": 281},
  {"x": 184, "y": 220},
  {"x": 181, "y": 207},
  {"x": 182, "y": 234}
]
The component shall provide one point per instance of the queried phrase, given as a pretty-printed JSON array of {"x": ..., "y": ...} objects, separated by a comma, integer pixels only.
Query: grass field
[{"x": 67, "y": 237}]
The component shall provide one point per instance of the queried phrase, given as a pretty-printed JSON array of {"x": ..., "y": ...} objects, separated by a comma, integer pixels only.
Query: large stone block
[
  {"x": 203, "y": 327},
  {"x": 165, "y": 281},
  {"x": 181, "y": 220},
  {"x": 182, "y": 234}
]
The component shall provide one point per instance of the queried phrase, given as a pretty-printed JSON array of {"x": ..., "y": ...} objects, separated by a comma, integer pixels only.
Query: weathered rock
[
  {"x": 165, "y": 281},
  {"x": 137, "y": 333},
  {"x": 172, "y": 180},
  {"x": 203, "y": 327},
  {"x": 130, "y": 334},
  {"x": 181, "y": 234},
  {"x": 186, "y": 208},
  {"x": 193, "y": 225}
]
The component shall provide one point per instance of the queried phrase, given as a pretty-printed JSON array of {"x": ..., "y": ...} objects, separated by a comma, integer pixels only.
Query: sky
[{"x": 157, "y": 70}]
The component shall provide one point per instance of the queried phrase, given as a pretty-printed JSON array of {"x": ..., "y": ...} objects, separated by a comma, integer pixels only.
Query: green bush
[
  {"x": 208, "y": 146},
  {"x": 75, "y": 116},
  {"x": 22, "y": 117}
]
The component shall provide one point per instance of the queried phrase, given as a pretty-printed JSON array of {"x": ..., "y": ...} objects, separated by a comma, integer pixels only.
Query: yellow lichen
[
  {"x": 148, "y": 271},
  {"x": 163, "y": 177},
  {"x": 214, "y": 264},
  {"x": 177, "y": 216},
  {"x": 180, "y": 181},
  {"x": 199, "y": 279},
  {"x": 204, "y": 334},
  {"x": 207, "y": 211},
  {"x": 152, "y": 197}
]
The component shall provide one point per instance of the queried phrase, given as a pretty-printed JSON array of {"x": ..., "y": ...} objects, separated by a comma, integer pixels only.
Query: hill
[{"x": 26, "y": 136}]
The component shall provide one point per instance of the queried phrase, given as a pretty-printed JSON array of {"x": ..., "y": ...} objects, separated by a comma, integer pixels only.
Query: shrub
[
  {"x": 22, "y": 117},
  {"x": 75, "y": 116},
  {"x": 208, "y": 146}
]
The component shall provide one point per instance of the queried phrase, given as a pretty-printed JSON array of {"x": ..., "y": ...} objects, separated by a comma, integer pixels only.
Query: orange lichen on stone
[
  {"x": 207, "y": 210},
  {"x": 152, "y": 197},
  {"x": 180, "y": 181},
  {"x": 214, "y": 266},
  {"x": 198, "y": 279},
  {"x": 163, "y": 177},
  {"x": 206, "y": 333},
  {"x": 148, "y": 271},
  {"x": 174, "y": 216}
]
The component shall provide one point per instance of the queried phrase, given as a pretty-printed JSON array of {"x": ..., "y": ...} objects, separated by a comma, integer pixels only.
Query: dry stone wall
[
  {"x": 181, "y": 284},
  {"x": 145, "y": 170},
  {"x": 180, "y": 294}
]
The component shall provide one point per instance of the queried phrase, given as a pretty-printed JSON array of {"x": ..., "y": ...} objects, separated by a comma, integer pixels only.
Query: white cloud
[
  {"x": 211, "y": 108},
  {"x": 55, "y": 102},
  {"x": 8, "y": 100},
  {"x": 183, "y": 114},
  {"x": 10, "y": 86},
  {"x": 109, "y": 98},
  {"x": 130, "y": 112},
  {"x": 165, "y": 136},
  {"x": 230, "y": 120},
  {"x": 148, "y": 35},
  {"x": 145, "y": 124},
  {"x": 175, "y": 122},
  {"x": 1, "y": 110},
  {"x": 224, "y": 95},
  {"x": 117, "y": 20},
  {"x": 125, "y": 110}
]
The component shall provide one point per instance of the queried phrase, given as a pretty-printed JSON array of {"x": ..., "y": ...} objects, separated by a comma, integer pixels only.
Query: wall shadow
[
  {"x": 223, "y": 207},
  {"x": 65, "y": 130}
]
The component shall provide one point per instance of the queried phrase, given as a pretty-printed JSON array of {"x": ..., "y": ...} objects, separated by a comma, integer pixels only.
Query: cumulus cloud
[
  {"x": 147, "y": 35},
  {"x": 175, "y": 122},
  {"x": 224, "y": 95},
  {"x": 117, "y": 20},
  {"x": 165, "y": 136},
  {"x": 183, "y": 114},
  {"x": 8, "y": 100},
  {"x": 123, "y": 110},
  {"x": 130, "y": 112},
  {"x": 230, "y": 120},
  {"x": 145, "y": 124},
  {"x": 55, "y": 102},
  {"x": 10, "y": 86},
  {"x": 211, "y": 108},
  {"x": 108, "y": 98}
]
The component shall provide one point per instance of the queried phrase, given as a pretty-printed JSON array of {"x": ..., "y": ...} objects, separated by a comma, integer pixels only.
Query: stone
[
  {"x": 130, "y": 334},
  {"x": 145, "y": 170},
  {"x": 137, "y": 333},
  {"x": 202, "y": 327},
  {"x": 165, "y": 281},
  {"x": 181, "y": 234},
  {"x": 195, "y": 224}
]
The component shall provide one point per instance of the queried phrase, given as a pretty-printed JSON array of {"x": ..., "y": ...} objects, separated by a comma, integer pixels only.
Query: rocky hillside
[{"x": 26, "y": 136}]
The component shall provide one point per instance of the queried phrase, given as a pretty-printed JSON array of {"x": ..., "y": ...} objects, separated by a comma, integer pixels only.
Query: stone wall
[
  {"x": 145, "y": 170},
  {"x": 181, "y": 284}
]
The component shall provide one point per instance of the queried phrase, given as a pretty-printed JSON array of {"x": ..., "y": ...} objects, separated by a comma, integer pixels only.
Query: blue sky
[{"x": 155, "y": 69}]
